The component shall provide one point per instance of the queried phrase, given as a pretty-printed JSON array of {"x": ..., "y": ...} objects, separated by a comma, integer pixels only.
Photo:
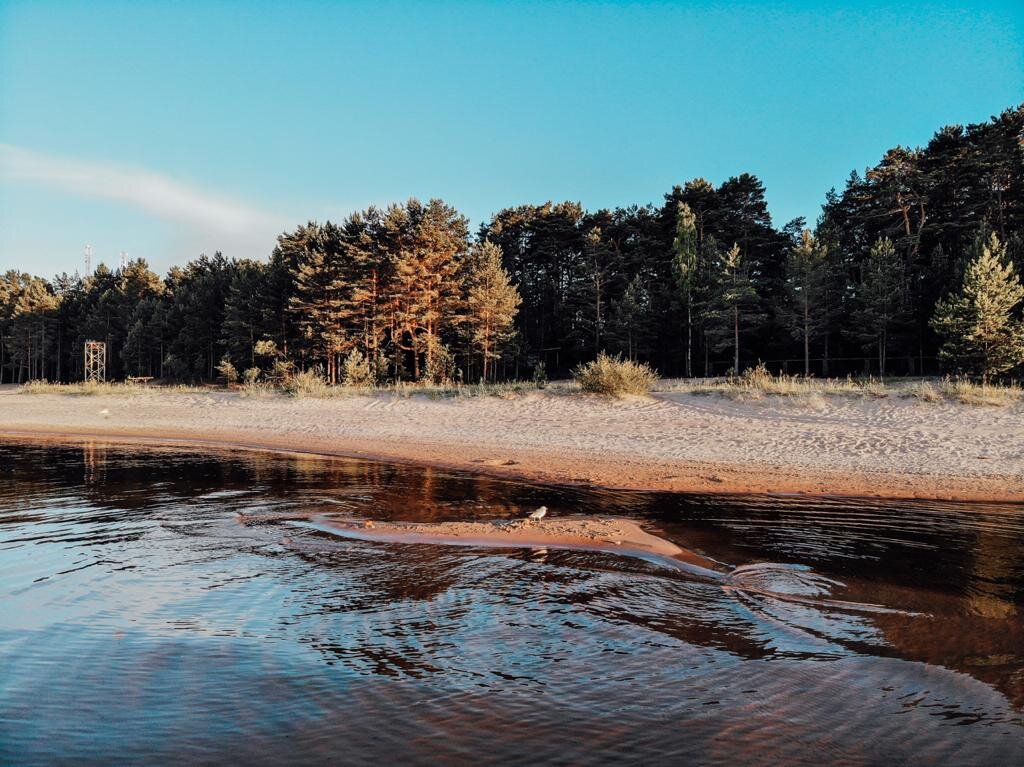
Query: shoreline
[{"x": 453, "y": 436}]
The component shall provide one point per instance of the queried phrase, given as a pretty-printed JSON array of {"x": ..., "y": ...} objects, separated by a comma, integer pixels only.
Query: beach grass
[
  {"x": 752, "y": 386},
  {"x": 104, "y": 388},
  {"x": 757, "y": 383}
]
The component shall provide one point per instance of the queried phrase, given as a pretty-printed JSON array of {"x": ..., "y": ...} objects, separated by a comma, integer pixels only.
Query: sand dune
[{"x": 890, "y": 447}]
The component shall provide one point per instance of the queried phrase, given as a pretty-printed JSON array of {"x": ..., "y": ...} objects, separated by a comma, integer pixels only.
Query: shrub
[
  {"x": 308, "y": 383},
  {"x": 227, "y": 371},
  {"x": 282, "y": 372},
  {"x": 757, "y": 377},
  {"x": 358, "y": 370},
  {"x": 441, "y": 367},
  {"x": 265, "y": 348},
  {"x": 615, "y": 376},
  {"x": 251, "y": 376},
  {"x": 540, "y": 375}
]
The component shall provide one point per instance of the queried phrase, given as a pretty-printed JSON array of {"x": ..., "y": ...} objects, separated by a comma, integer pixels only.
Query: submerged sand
[{"x": 888, "y": 447}]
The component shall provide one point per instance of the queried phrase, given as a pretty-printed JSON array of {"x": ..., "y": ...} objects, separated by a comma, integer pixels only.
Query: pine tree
[
  {"x": 980, "y": 325},
  {"x": 425, "y": 287},
  {"x": 368, "y": 272},
  {"x": 245, "y": 311},
  {"x": 491, "y": 303},
  {"x": 806, "y": 284},
  {"x": 596, "y": 267},
  {"x": 736, "y": 304},
  {"x": 685, "y": 270},
  {"x": 628, "y": 315},
  {"x": 319, "y": 294},
  {"x": 883, "y": 298}
]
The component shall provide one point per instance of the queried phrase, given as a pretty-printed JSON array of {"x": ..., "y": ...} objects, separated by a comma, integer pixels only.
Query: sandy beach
[{"x": 883, "y": 447}]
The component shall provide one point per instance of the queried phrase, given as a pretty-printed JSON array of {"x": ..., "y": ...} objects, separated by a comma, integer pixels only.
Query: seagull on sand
[{"x": 539, "y": 513}]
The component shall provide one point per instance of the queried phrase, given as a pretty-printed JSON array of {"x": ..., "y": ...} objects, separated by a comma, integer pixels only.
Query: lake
[{"x": 142, "y": 621}]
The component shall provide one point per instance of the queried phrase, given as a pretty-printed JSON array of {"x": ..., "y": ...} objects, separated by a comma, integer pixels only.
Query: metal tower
[{"x": 95, "y": 361}]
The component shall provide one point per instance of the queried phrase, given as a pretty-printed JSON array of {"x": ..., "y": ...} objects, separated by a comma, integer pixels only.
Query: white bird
[{"x": 539, "y": 513}]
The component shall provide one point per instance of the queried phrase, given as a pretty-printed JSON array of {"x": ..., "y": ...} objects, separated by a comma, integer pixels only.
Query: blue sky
[{"x": 166, "y": 129}]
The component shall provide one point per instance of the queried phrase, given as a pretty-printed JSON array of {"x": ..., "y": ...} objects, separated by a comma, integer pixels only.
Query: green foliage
[
  {"x": 227, "y": 370},
  {"x": 736, "y": 303},
  {"x": 883, "y": 290},
  {"x": 685, "y": 269},
  {"x": 647, "y": 282},
  {"x": 440, "y": 367},
  {"x": 540, "y": 375},
  {"x": 980, "y": 325},
  {"x": 615, "y": 376},
  {"x": 282, "y": 372},
  {"x": 491, "y": 303},
  {"x": 266, "y": 348},
  {"x": 319, "y": 290},
  {"x": 358, "y": 371},
  {"x": 806, "y": 283},
  {"x": 306, "y": 383}
]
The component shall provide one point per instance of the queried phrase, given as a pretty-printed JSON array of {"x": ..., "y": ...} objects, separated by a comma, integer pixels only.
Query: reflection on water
[{"x": 140, "y": 621}]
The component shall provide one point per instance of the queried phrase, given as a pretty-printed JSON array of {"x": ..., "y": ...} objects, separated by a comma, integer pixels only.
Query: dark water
[{"x": 141, "y": 622}]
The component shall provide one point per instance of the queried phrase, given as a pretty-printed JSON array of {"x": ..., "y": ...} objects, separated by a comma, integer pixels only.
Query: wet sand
[
  {"x": 891, "y": 447},
  {"x": 616, "y": 535}
]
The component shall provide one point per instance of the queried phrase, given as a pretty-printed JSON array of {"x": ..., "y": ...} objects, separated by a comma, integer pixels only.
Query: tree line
[{"x": 912, "y": 267}]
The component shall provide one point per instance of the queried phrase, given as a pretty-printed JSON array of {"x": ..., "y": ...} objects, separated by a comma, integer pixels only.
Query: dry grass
[
  {"x": 106, "y": 388},
  {"x": 615, "y": 377},
  {"x": 311, "y": 386},
  {"x": 307, "y": 383},
  {"x": 968, "y": 392},
  {"x": 757, "y": 383},
  {"x": 752, "y": 385}
]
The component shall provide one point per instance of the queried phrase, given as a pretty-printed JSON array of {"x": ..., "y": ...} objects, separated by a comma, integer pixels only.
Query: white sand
[{"x": 859, "y": 446}]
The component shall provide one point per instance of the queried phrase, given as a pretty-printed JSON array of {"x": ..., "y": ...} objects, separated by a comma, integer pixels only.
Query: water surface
[{"x": 141, "y": 621}]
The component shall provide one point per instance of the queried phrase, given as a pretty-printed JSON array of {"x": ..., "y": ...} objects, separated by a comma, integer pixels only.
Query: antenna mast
[
  {"x": 88, "y": 260},
  {"x": 124, "y": 259}
]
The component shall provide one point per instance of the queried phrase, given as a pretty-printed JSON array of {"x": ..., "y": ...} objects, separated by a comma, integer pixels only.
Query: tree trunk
[
  {"x": 689, "y": 335},
  {"x": 736, "y": 341},
  {"x": 807, "y": 340}
]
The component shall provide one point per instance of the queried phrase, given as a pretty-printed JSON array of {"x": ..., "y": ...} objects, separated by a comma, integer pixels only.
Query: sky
[{"x": 169, "y": 129}]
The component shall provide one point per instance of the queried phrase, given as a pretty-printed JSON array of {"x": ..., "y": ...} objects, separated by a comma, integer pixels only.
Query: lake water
[{"x": 141, "y": 621}]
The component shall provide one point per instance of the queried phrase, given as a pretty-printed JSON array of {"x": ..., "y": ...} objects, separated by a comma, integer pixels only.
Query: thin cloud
[{"x": 204, "y": 213}]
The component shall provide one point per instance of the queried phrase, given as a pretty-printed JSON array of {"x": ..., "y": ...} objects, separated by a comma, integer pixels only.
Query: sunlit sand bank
[{"x": 606, "y": 534}]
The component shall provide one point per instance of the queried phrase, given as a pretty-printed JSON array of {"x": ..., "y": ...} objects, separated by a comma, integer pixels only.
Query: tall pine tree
[{"x": 981, "y": 327}]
